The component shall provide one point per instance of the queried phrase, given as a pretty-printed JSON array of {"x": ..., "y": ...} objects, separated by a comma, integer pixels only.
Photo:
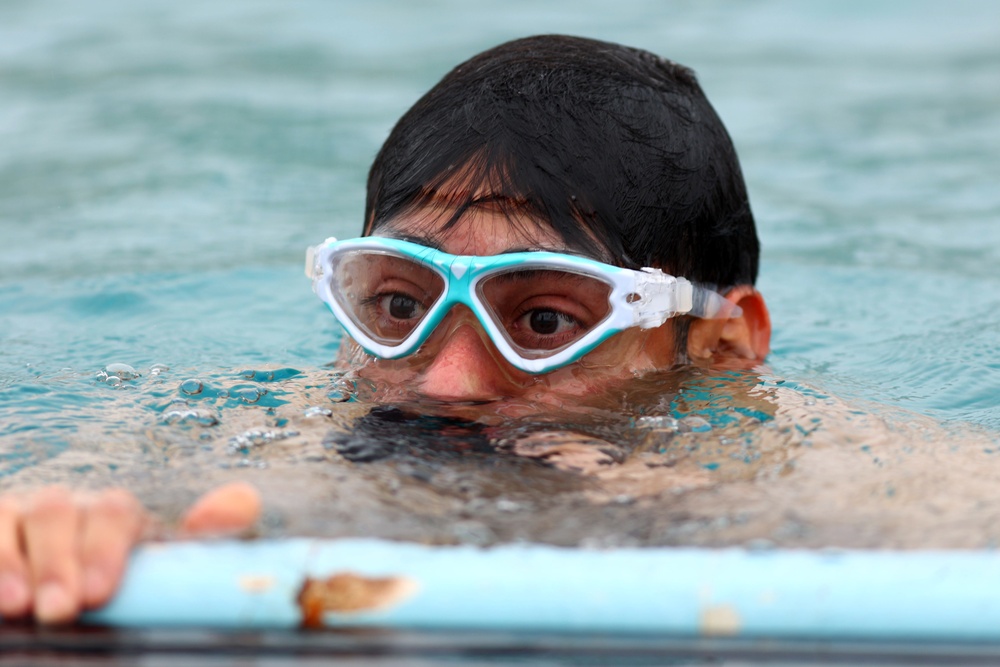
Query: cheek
[
  {"x": 556, "y": 386},
  {"x": 385, "y": 380},
  {"x": 659, "y": 348},
  {"x": 590, "y": 377},
  {"x": 632, "y": 352},
  {"x": 381, "y": 380},
  {"x": 600, "y": 373}
]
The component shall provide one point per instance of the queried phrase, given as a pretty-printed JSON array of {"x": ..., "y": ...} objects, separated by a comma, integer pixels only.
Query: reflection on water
[{"x": 690, "y": 457}]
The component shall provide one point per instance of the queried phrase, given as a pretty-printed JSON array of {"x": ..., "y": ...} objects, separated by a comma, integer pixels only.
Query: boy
[{"x": 556, "y": 216}]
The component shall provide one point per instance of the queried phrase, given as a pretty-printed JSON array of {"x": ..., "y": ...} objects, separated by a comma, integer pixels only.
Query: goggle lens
[
  {"x": 541, "y": 310},
  {"x": 385, "y": 295}
]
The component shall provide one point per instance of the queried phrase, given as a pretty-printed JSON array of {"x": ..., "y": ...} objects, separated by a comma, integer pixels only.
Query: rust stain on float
[
  {"x": 721, "y": 620},
  {"x": 256, "y": 583},
  {"x": 347, "y": 592}
]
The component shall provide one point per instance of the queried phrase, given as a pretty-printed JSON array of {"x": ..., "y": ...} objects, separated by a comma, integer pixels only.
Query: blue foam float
[{"x": 926, "y": 595}]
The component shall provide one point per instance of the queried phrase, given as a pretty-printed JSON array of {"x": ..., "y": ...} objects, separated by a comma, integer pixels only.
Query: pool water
[{"x": 163, "y": 168}]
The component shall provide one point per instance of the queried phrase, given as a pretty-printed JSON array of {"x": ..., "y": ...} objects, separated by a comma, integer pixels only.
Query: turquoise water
[{"x": 164, "y": 166}]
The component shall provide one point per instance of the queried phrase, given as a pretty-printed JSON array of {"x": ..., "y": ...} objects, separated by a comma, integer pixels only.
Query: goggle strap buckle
[
  {"x": 661, "y": 296},
  {"x": 314, "y": 269}
]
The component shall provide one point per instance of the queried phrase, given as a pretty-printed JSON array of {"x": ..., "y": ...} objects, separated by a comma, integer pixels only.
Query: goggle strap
[
  {"x": 709, "y": 304},
  {"x": 662, "y": 296}
]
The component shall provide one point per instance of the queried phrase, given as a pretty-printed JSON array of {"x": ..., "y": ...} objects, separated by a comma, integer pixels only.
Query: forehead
[
  {"x": 482, "y": 229},
  {"x": 486, "y": 225},
  {"x": 475, "y": 212}
]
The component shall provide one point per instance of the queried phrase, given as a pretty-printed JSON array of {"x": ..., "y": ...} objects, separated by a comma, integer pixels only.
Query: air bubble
[
  {"x": 659, "y": 423},
  {"x": 192, "y": 387},
  {"x": 122, "y": 371},
  {"x": 247, "y": 440},
  {"x": 339, "y": 396},
  {"x": 278, "y": 375},
  {"x": 156, "y": 369},
  {"x": 342, "y": 389},
  {"x": 184, "y": 417},
  {"x": 249, "y": 394}
]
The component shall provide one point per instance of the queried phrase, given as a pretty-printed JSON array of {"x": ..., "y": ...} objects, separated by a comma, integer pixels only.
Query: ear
[{"x": 746, "y": 338}]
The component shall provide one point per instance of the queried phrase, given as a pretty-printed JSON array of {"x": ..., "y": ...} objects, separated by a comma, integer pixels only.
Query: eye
[
  {"x": 549, "y": 322},
  {"x": 401, "y": 306},
  {"x": 544, "y": 329}
]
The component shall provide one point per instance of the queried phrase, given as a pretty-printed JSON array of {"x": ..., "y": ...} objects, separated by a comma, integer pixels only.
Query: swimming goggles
[{"x": 541, "y": 309}]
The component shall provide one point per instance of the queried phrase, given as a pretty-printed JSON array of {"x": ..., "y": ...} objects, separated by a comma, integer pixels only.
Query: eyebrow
[
  {"x": 429, "y": 242},
  {"x": 521, "y": 274},
  {"x": 466, "y": 199},
  {"x": 501, "y": 202},
  {"x": 425, "y": 241},
  {"x": 562, "y": 250}
]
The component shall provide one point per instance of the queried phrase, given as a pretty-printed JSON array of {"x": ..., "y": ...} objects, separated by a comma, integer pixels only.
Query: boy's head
[
  {"x": 616, "y": 149},
  {"x": 577, "y": 146}
]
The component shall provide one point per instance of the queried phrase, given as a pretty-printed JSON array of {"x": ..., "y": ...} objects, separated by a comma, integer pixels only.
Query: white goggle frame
[{"x": 646, "y": 298}]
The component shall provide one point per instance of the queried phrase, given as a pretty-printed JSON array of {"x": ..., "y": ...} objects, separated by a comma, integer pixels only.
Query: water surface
[{"x": 162, "y": 169}]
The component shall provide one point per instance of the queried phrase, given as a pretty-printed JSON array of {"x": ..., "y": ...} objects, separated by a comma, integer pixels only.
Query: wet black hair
[{"x": 617, "y": 149}]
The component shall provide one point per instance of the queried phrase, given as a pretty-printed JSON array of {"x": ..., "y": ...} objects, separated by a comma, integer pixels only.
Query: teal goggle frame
[{"x": 646, "y": 298}]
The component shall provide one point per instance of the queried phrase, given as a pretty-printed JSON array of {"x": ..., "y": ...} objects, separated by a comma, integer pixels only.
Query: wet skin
[
  {"x": 63, "y": 552},
  {"x": 458, "y": 364}
]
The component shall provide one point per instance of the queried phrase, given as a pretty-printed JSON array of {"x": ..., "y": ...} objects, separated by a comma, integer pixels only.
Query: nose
[{"x": 464, "y": 369}]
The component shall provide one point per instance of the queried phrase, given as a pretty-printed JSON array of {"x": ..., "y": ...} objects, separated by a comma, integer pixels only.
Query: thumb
[{"x": 227, "y": 510}]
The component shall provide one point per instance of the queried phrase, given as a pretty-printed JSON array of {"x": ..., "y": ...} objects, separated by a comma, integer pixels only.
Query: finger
[
  {"x": 15, "y": 594},
  {"x": 227, "y": 510},
  {"x": 112, "y": 523},
  {"x": 51, "y": 528}
]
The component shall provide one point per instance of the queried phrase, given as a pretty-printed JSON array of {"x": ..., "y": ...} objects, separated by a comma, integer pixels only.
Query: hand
[{"x": 63, "y": 552}]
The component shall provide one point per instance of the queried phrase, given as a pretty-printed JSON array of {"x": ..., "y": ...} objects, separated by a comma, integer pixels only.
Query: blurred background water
[{"x": 163, "y": 167}]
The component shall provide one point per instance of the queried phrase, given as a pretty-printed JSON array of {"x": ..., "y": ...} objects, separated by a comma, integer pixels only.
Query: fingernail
[
  {"x": 53, "y": 604},
  {"x": 14, "y": 593},
  {"x": 94, "y": 585}
]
